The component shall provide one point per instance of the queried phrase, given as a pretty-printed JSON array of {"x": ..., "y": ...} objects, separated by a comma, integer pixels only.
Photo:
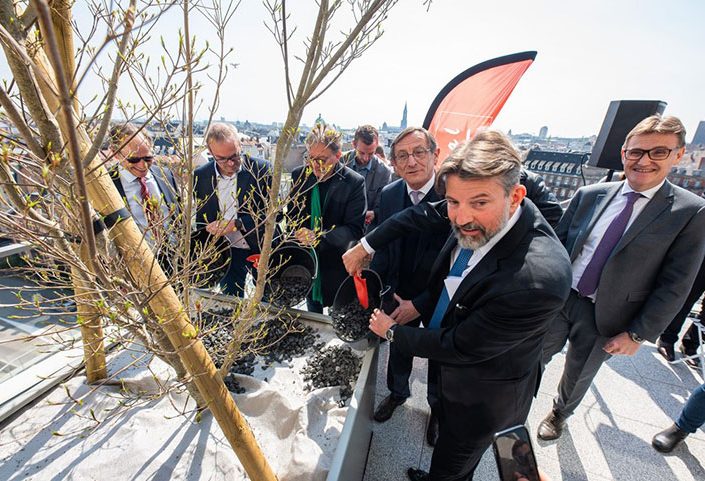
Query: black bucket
[
  {"x": 293, "y": 278},
  {"x": 350, "y": 319},
  {"x": 215, "y": 265}
]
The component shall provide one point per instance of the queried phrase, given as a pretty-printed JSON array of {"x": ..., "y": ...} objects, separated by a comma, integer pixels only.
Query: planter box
[{"x": 350, "y": 456}]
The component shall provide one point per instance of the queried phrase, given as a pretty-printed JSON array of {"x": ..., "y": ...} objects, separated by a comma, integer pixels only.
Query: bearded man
[{"x": 500, "y": 279}]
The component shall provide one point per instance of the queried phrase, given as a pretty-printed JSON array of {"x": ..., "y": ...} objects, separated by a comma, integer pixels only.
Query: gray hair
[
  {"x": 323, "y": 134},
  {"x": 221, "y": 132},
  {"x": 656, "y": 124},
  {"x": 431, "y": 143},
  {"x": 121, "y": 134},
  {"x": 489, "y": 154}
]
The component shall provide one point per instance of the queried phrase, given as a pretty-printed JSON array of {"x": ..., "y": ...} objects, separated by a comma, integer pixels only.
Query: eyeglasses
[
  {"x": 418, "y": 153},
  {"x": 315, "y": 160},
  {"x": 657, "y": 153},
  {"x": 235, "y": 158},
  {"x": 137, "y": 160}
]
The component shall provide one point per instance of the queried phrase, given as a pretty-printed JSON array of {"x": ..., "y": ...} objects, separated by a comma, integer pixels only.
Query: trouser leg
[
  {"x": 399, "y": 369},
  {"x": 693, "y": 414},
  {"x": 233, "y": 283},
  {"x": 584, "y": 357}
]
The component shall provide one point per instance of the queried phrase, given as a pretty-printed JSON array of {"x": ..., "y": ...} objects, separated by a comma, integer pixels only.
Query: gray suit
[
  {"x": 642, "y": 286},
  {"x": 376, "y": 179}
]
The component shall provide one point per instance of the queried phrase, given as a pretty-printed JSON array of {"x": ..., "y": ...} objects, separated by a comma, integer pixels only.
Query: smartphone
[{"x": 514, "y": 455}]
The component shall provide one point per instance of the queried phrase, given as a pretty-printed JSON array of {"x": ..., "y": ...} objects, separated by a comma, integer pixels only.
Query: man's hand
[
  {"x": 369, "y": 216},
  {"x": 621, "y": 344},
  {"x": 306, "y": 236},
  {"x": 380, "y": 323},
  {"x": 219, "y": 228},
  {"x": 356, "y": 259},
  {"x": 405, "y": 312}
]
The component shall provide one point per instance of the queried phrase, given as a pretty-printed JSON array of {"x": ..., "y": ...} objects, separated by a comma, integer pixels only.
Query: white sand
[{"x": 149, "y": 439}]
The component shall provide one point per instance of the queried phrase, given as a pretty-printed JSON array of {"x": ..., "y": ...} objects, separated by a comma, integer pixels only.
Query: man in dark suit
[
  {"x": 231, "y": 192},
  {"x": 363, "y": 160},
  {"x": 498, "y": 282},
  {"x": 636, "y": 247},
  {"x": 405, "y": 264},
  {"x": 149, "y": 190},
  {"x": 327, "y": 210}
]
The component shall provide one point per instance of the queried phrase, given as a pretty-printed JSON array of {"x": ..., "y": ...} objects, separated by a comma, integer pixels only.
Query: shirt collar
[
  {"x": 426, "y": 187},
  {"x": 359, "y": 167},
  {"x": 649, "y": 193}
]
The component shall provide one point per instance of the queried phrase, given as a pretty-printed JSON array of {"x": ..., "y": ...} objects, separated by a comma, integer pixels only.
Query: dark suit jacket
[
  {"x": 253, "y": 183},
  {"x": 376, "y": 179},
  {"x": 490, "y": 341},
  {"x": 387, "y": 261},
  {"x": 165, "y": 180},
  {"x": 648, "y": 275},
  {"x": 541, "y": 196},
  {"x": 343, "y": 213}
]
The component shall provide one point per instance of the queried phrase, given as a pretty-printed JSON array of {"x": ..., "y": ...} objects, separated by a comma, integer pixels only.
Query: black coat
[
  {"x": 541, "y": 196},
  {"x": 343, "y": 215},
  {"x": 253, "y": 183},
  {"x": 165, "y": 180},
  {"x": 490, "y": 340},
  {"x": 388, "y": 260}
]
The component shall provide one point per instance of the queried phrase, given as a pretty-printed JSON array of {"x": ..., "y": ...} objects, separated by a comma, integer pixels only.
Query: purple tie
[
  {"x": 416, "y": 196},
  {"x": 591, "y": 276}
]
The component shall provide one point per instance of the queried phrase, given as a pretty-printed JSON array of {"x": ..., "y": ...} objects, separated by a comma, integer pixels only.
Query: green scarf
[{"x": 316, "y": 293}]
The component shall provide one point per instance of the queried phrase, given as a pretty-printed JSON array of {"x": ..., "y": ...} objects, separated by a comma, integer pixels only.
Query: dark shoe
[
  {"x": 551, "y": 427},
  {"x": 666, "y": 350},
  {"x": 668, "y": 439},
  {"x": 693, "y": 362},
  {"x": 432, "y": 430},
  {"x": 386, "y": 408},
  {"x": 417, "y": 474}
]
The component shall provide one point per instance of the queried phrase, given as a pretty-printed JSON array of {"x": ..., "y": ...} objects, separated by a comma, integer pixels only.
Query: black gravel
[
  {"x": 333, "y": 366},
  {"x": 286, "y": 291},
  {"x": 275, "y": 340},
  {"x": 351, "y": 321}
]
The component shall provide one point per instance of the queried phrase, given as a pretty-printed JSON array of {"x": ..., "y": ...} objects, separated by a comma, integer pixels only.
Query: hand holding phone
[{"x": 515, "y": 455}]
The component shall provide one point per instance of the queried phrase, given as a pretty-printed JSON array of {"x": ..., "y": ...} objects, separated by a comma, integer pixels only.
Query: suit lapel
[
  {"x": 336, "y": 184},
  {"x": 661, "y": 200},
  {"x": 164, "y": 188},
  {"x": 423, "y": 239},
  {"x": 602, "y": 200}
]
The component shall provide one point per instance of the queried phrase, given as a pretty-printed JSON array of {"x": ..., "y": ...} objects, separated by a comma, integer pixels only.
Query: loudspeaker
[{"x": 622, "y": 116}]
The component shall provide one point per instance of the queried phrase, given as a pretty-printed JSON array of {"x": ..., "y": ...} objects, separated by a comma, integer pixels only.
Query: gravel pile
[
  {"x": 351, "y": 321},
  {"x": 288, "y": 291},
  {"x": 333, "y": 366},
  {"x": 279, "y": 342}
]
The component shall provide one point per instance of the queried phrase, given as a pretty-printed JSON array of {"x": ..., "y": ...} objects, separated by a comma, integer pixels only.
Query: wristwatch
[
  {"x": 635, "y": 337},
  {"x": 390, "y": 333}
]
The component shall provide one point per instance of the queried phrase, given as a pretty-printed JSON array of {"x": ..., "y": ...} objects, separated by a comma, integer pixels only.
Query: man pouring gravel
[{"x": 500, "y": 279}]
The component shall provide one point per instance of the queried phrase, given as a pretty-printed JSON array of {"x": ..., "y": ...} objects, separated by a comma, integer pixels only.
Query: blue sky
[{"x": 589, "y": 53}]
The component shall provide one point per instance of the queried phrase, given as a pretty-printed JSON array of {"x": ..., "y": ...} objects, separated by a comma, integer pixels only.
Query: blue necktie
[{"x": 456, "y": 271}]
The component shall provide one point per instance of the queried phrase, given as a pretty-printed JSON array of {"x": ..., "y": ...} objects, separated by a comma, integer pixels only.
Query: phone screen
[{"x": 515, "y": 456}]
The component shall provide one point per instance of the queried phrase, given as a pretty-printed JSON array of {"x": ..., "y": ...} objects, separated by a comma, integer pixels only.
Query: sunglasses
[{"x": 137, "y": 160}]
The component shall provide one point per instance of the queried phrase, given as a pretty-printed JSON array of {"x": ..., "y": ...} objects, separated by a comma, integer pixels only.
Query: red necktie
[{"x": 151, "y": 209}]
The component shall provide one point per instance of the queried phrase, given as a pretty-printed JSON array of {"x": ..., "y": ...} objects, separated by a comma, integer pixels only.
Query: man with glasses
[
  {"x": 363, "y": 160},
  {"x": 231, "y": 191},
  {"x": 405, "y": 264},
  {"x": 635, "y": 247},
  {"x": 327, "y": 208},
  {"x": 149, "y": 190}
]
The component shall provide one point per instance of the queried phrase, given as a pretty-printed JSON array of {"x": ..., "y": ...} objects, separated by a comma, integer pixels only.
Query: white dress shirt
[
  {"x": 135, "y": 204},
  {"x": 227, "y": 201},
  {"x": 615, "y": 206}
]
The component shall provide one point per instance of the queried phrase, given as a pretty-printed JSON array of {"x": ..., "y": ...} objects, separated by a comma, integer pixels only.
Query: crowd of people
[{"x": 489, "y": 277}]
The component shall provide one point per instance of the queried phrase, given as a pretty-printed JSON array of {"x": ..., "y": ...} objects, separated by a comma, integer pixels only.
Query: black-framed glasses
[
  {"x": 137, "y": 160},
  {"x": 657, "y": 153},
  {"x": 235, "y": 158},
  {"x": 418, "y": 153},
  {"x": 315, "y": 160}
]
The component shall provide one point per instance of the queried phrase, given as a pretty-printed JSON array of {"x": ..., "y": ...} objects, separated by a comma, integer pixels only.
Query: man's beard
[{"x": 467, "y": 242}]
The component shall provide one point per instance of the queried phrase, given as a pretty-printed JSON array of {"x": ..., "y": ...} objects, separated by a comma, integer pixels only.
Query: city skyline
[{"x": 588, "y": 55}]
